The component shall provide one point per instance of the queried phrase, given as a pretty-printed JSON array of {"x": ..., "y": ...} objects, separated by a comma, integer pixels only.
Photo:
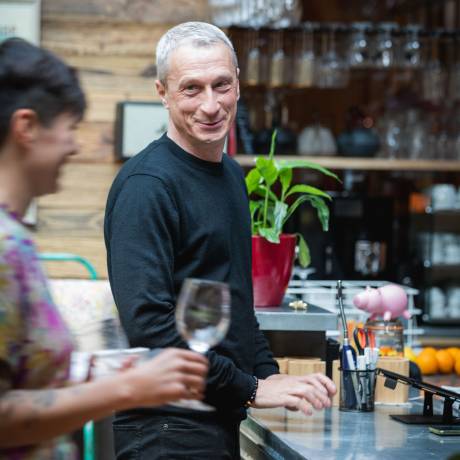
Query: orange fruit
[
  {"x": 445, "y": 362},
  {"x": 427, "y": 363},
  {"x": 454, "y": 352},
  {"x": 429, "y": 350},
  {"x": 457, "y": 366}
]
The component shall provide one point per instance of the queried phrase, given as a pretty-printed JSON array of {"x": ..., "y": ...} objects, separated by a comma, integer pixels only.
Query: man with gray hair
[{"x": 177, "y": 210}]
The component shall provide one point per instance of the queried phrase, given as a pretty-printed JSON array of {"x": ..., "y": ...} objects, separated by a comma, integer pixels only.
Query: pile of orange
[{"x": 443, "y": 361}]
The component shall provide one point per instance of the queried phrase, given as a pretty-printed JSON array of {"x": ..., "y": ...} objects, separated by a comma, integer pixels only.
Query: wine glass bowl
[{"x": 203, "y": 313}]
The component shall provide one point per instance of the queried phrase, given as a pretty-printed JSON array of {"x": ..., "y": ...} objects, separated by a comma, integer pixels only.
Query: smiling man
[
  {"x": 178, "y": 210},
  {"x": 200, "y": 91}
]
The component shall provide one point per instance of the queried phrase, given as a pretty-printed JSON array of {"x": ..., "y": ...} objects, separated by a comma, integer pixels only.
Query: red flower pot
[{"x": 271, "y": 269}]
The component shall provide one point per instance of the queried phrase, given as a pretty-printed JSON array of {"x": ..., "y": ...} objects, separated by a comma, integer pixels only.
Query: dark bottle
[{"x": 286, "y": 140}]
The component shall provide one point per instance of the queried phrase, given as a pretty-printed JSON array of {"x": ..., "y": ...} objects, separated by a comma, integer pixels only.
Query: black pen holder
[{"x": 357, "y": 390}]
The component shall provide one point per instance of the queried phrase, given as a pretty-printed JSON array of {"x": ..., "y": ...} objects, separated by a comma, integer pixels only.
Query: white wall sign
[{"x": 20, "y": 18}]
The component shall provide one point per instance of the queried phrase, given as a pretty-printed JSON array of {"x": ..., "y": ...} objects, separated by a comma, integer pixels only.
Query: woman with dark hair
[{"x": 41, "y": 102}]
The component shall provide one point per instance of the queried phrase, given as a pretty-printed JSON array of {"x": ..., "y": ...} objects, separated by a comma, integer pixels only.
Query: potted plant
[{"x": 273, "y": 199}]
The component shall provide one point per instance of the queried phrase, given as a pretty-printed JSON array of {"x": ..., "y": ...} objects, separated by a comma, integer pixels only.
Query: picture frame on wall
[
  {"x": 137, "y": 124},
  {"x": 20, "y": 18}
]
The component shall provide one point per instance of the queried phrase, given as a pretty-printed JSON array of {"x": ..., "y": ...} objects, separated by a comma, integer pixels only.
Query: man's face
[{"x": 201, "y": 92}]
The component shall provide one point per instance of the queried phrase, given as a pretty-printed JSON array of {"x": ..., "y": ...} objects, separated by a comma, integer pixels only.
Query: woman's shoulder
[
  {"x": 13, "y": 234},
  {"x": 15, "y": 240}
]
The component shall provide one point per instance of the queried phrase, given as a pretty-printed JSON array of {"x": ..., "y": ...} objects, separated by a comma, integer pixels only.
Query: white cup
[
  {"x": 106, "y": 362},
  {"x": 437, "y": 301},
  {"x": 443, "y": 196}
]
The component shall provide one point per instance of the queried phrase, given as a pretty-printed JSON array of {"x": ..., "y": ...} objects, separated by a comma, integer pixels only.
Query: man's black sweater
[{"x": 171, "y": 216}]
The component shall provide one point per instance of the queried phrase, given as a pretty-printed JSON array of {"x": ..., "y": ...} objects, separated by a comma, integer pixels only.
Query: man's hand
[{"x": 295, "y": 393}]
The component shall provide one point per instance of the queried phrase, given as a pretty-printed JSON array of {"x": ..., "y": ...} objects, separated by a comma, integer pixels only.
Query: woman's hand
[{"x": 171, "y": 375}]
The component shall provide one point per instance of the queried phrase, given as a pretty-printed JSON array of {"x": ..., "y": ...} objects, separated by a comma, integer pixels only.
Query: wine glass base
[{"x": 193, "y": 405}]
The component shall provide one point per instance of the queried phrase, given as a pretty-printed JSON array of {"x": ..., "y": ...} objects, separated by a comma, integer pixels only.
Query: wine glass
[
  {"x": 358, "y": 54},
  {"x": 202, "y": 319},
  {"x": 330, "y": 71},
  {"x": 384, "y": 53}
]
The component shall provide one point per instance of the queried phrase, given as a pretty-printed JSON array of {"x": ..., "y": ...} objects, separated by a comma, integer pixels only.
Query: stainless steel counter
[
  {"x": 287, "y": 319},
  {"x": 293, "y": 332},
  {"x": 335, "y": 435}
]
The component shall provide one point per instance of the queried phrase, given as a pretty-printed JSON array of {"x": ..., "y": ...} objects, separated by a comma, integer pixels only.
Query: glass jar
[
  {"x": 305, "y": 57},
  {"x": 251, "y": 75},
  {"x": 277, "y": 59},
  {"x": 387, "y": 335}
]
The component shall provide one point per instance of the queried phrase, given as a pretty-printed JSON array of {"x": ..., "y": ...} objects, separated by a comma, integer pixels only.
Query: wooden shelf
[{"x": 365, "y": 164}]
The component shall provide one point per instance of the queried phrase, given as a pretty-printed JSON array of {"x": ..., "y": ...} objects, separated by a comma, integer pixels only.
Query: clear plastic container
[{"x": 388, "y": 336}]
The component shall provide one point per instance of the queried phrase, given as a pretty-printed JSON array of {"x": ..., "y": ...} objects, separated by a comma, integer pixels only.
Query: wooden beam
[
  {"x": 141, "y": 11},
  {"x": 85, "y": 36},
  {"x": 85, "y": 223},
  {"x": 113, "y": 65}
]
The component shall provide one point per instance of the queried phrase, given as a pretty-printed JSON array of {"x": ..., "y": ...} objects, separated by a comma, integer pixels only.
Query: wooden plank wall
[{"x": 112, "y": 44}]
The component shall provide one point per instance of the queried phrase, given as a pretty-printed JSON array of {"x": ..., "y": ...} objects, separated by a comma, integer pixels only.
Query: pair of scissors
[{"x": 362, "y": 340}]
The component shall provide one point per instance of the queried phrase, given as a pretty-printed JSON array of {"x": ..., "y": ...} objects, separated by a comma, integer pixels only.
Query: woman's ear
[{"x": 24, "y": 127}]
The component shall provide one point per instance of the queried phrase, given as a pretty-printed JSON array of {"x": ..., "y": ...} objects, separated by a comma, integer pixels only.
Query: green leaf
[
  {"x": 302, "y": 188},
  {"x": 252, "y": 180},
  {"x": 304, "y": 252},
  {"x": 279, "y": 214},
  {"x": 273, "y": 144},
  {"x": 270, "y": 217},
  {"x": 267, "y": 170},
  {"x": 295, "y": 205},
  {"x": 295, "y": 164},
  {"x": 262, "y": 190},
  {"x": 254, "y": 206},
  {"x": 285, "y": 175},
  {"x": 322, "y": 211},
  {"x": 318, "y": 203},
  {"x": 270, "y": 234}
]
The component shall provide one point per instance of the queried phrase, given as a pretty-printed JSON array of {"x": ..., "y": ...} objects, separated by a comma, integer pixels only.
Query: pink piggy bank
[
  {"x": 389, "y": 301},
  {"x": 394, "y": 302},
  {"x": 369, "y": 300}
]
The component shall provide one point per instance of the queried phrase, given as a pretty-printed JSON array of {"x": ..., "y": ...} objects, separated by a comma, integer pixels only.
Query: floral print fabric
[{"x": 35, "y": 344}]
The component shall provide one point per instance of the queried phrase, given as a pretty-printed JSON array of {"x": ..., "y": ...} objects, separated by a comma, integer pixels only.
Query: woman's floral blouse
[{"x": 35, "y": 344}]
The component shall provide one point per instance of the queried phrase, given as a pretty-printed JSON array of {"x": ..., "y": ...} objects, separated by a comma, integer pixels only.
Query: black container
[{"x": 357, "y": 390}]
